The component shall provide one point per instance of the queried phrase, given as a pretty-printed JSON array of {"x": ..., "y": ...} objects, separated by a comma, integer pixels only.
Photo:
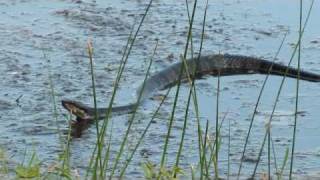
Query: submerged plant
[
  {"x": 151, "y": 172},
  {"x": 29, "y": 170}
]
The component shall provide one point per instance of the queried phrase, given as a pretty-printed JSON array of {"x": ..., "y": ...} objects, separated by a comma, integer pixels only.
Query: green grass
[
  {"x": 3, "y": 163},
  {"x": 104, "y": 165}
]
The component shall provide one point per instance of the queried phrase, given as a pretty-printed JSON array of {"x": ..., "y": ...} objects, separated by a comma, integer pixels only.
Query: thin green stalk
[
  {"x": 215, "y": 162},
  {"x": 105, "y": 123},
  {"x": 107, "y": 154},
  {"x": 257, "y": 104},
  {"x": 168, "y": 133},
  {"x": 91, "y": 162},
  {"x": 192, "y": 88},
  {"x": 66, "y": 154},
  {"x": 177, "y": 92},
  {"x": 120, "y": 71},
  {"x": 229, "y": 148},
  {"x": 274, "y": 155},
  {"x": 188, "y": 101},
  {"x": 269, "y": 152},
  {"x": 212, "y": 147},
  {"x": 204, "y": 152},
  {"x": 53, "y": 96},
  {"x": 193, "y": 177},
  {"x": 123, "y": 62},
  {"x": 286, "y": 157},
  {"x": 261, "y": 150},
  {"x": 66, "y": 148},
  {"x": 194, "y": 94},
  {"x": 143, "y": 134},
  {"x": 183, "y": 132},
  {"x": 191, "y": 36},
  {"x": 98, "y": 158},
  {"x": 217, "y": 123},
  {"x": 259, "y": 155},
  {"x": 108, "y": 113},
  {"x": 282, "y": 82},
  {"x": 195, "y": 97},
  {"x": 133, "y": 116},
  {"x": 297, "y": 94}
]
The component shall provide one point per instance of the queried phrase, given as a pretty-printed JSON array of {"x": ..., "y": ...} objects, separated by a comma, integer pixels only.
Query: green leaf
[{"x": 28, "y": 172}]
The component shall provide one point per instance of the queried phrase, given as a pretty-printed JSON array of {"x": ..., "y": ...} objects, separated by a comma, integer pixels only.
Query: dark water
[{"x": 43, "y": 38}]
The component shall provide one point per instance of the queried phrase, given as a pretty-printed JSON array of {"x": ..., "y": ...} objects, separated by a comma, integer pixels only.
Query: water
[{"x": 40, "y": 39}]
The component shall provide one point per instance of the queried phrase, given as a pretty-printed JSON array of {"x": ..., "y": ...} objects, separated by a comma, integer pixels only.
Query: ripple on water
[{"x": 41, "y": 37}]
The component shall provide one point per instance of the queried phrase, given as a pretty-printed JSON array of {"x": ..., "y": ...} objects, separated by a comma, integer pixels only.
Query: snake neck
[
  {"x": 216, "y": 65},
  {"x": 86, "y": 115}
]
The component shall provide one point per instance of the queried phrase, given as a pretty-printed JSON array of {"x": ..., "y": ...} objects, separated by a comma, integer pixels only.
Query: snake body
[{"x": 223, "y": 65}]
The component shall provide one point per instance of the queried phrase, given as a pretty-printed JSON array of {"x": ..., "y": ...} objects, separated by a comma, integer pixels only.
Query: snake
[{"x": 214, "y": 65}]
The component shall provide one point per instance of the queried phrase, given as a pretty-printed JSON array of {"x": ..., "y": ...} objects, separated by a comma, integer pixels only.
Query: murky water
[{"x": 40, "y": 39}]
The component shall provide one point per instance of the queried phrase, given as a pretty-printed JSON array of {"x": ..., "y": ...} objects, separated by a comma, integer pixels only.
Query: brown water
[{"x": 39, "y": 38}]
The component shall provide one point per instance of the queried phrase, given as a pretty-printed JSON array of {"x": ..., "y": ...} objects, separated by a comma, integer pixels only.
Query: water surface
[{"x": 43, "y": 39}]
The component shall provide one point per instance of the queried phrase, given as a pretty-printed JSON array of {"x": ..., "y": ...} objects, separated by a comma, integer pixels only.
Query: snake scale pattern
[{"x": 223, "y": 65}]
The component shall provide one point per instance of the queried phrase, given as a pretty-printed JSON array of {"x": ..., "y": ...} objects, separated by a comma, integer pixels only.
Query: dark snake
[{"x": 223, "y": 65}]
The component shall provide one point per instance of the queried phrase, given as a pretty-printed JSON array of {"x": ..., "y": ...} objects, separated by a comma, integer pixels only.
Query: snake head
[
  {"x": 77, "y": 108},
  {"x": 83, "y": 114}
]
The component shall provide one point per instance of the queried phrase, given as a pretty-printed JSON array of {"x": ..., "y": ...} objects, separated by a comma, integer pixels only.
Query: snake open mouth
[
  {"x": 83, "y": 117},
  {"x": 77, "y": 109}
]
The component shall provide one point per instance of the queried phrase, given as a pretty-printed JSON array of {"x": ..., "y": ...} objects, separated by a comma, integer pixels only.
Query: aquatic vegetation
[{"x": 186, "y": 144}]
